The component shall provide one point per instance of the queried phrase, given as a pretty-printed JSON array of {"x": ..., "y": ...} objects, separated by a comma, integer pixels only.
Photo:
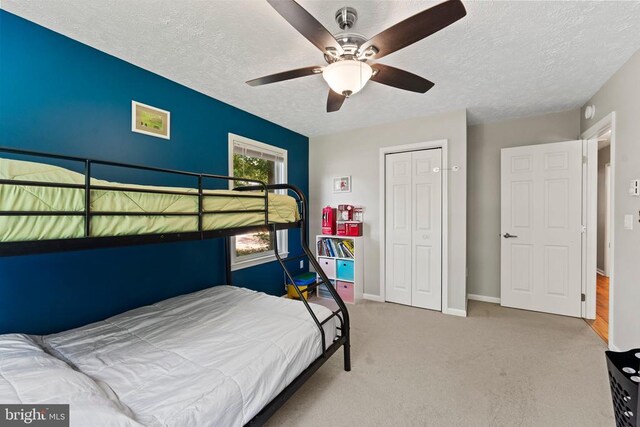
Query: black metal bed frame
[{"x": 90, "y": 242}]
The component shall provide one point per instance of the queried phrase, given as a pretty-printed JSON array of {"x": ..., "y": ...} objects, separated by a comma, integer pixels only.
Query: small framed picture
[
  {"x": 150, "y": 120},
  {"x": 342, "y": 184}
]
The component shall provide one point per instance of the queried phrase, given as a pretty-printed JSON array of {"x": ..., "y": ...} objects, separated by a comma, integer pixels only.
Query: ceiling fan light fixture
[{"x": 347, "y": 77}]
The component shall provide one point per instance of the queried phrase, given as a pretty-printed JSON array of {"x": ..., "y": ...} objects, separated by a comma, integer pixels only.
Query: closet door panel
[
  {"x": 426, "y": 220},
  {"x": 398, "y": 280}
]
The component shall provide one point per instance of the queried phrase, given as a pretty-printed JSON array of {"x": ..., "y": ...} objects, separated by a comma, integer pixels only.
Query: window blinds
[{"x": 260, "y": 153}]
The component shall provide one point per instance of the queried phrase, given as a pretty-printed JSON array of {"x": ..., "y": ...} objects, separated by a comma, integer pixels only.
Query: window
[{"x": 256, "y": 160}]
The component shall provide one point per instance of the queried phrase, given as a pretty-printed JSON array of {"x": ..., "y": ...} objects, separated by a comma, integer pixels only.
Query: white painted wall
[
  {"x": 621, "y": 93},
  {"x": 356, "y": 153},
  {"x": 485, "y": 142}
]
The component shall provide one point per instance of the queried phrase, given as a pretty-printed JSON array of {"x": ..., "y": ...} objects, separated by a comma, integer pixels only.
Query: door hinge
[
  {"x": 584, "y": 229},
  {"x": 583, "y": 297}
]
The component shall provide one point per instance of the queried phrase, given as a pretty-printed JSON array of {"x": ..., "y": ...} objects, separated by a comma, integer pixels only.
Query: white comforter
[
  {"x": 211, "y": 358},
  {"x": 30, "y": 376}
]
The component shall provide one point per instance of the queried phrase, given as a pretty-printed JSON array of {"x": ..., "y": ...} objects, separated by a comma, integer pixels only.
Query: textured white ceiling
[{"x": 503, "y": 60}]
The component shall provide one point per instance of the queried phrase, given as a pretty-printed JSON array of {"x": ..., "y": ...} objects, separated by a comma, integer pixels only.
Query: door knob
[{"x": 509, "y": 236}]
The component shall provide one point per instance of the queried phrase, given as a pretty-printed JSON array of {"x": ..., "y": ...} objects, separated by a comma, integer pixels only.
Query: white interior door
[
  {"x": 413, "y": 228},
  {"x": 426, "y": 221},
  {"x": 398, "y": 228},
  {"x": 541, "y": 223}
]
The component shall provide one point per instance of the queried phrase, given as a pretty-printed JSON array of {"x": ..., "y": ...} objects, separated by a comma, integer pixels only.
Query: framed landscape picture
[
  {"x": 342, "y": 184},
  {"x": 150, "y": 120}
]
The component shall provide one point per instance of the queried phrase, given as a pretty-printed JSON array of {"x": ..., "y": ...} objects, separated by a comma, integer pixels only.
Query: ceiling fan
[{"x": 347, "y": 54}]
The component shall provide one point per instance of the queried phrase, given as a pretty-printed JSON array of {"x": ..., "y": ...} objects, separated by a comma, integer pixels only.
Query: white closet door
[
  {"x": 541, "y": 201},
  {"x": 413, "y": 229},
  {"x": 427, "y": 230},
  {"x": 398, "y": 282}
]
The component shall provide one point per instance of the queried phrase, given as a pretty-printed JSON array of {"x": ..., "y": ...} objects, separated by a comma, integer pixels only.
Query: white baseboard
[
  {"x": 455, "y": 312},
  {"x": 372, "y": 297},
  {"x": 483, "y": 298},
  {"x": 613, "y": 347}
]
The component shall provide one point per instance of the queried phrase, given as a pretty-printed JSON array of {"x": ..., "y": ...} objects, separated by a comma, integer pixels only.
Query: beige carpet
[{"x": 497, "y": 367}]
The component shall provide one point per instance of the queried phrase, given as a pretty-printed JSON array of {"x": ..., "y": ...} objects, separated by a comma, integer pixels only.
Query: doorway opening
[
  {"x": 603, "y": 262},
  {"x": 599, "y": 305}
]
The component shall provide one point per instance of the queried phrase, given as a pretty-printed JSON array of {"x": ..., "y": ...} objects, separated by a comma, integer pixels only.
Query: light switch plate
[{"x": 628, "y": 222}]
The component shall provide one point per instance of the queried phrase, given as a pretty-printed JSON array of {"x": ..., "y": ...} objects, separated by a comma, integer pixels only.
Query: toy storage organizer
[{"x": 342, "y": 261}]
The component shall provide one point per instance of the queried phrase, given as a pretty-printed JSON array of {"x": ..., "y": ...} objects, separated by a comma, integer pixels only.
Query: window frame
[{"x": 245, "y": 261}]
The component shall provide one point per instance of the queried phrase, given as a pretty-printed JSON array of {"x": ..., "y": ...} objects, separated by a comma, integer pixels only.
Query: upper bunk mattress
[
  {"x": 282, "y": 208},
  {"x": 211, "y": 358}
]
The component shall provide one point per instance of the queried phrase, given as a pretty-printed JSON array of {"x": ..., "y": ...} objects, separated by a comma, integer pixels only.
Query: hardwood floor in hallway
[{"x": 601, "y": 322}]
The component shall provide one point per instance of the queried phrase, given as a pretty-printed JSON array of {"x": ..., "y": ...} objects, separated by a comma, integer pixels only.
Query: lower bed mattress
[
  {"x": 282, "y": 208},
  {"x": 211, "y": 358},
  {"x": 29, "y": 376}
]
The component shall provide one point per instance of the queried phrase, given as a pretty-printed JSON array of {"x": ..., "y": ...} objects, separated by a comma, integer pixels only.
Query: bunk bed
[{"x": 46, "y": 208}]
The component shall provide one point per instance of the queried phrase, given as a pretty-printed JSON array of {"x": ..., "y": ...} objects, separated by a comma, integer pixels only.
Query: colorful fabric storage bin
[{"x": 344, "y": 269}]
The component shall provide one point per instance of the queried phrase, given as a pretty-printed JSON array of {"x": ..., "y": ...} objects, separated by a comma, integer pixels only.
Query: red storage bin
[
  {"x": 349, "y": 228},
  {"x": 329, "y": 221},
  {"x": 353, "y": 229}
]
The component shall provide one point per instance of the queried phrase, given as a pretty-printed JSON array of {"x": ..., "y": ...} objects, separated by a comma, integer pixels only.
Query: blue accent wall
[{"x": 58, "y": 95}]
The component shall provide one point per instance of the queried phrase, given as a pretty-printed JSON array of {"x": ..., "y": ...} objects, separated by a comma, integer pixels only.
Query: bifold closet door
[
  {"x": 426, "y": 221},
  {"x": 398, "y": 228},
  {"x": 413, "y": 232}
]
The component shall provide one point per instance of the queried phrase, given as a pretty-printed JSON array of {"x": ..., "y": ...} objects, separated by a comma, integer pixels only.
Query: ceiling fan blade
[
  {"x": 285, "y": 75},
  {"x": 401, "y": 79},
  {"x": 414, "y": 28},
  {"x": 307, "y": 25},
  {"x": 334, "y": 101}
]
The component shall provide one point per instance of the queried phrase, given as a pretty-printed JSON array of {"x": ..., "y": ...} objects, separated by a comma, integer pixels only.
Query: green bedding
[{"x": 282, "y": 208}]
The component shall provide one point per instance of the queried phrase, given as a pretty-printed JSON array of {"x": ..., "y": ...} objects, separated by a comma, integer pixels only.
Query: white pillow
[{"x": 28, "y": 375}]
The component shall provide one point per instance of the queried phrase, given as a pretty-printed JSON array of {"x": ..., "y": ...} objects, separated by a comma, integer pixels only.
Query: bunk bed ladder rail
[
  {"x": 298, "y": 291},
  {"x": 342, "y": 312}
]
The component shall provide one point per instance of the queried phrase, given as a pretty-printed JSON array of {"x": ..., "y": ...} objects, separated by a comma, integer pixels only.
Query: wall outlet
[{"x": 634, "y": 189}]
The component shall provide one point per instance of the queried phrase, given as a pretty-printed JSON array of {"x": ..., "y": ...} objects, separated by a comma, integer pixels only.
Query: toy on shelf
[
  {"x": 328, "y": 220},
  {"x": 345, "y": 221},
  {"x": 358, "y": 214},
  {"x": 345, "y": 212},
  {"x": 349, "y": 221},
  {"x": 349, "y": 228}
]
